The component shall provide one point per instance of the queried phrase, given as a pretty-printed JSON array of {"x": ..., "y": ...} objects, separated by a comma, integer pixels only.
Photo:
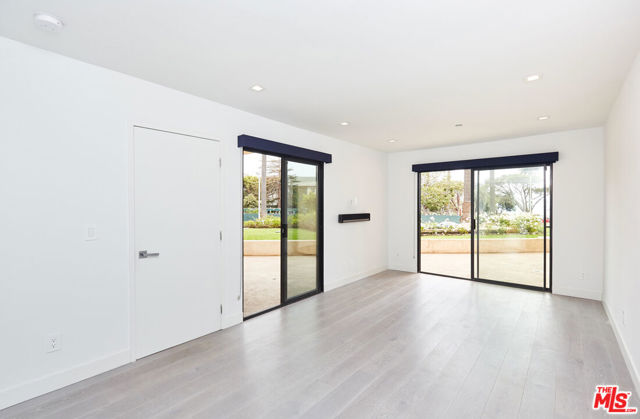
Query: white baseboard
[
  {"x": 403, "y": 268},
  {"x": 344, "y": 281},
  {"x": 578, "y": 292},
  {"x": 57, "y": 380},
  {"x": 633, "y": 371},
  {"x": 229, "y": 320}
]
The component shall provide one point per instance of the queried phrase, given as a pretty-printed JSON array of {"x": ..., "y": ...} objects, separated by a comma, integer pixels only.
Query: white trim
[
  {"x": 633, "y": 371},
  {"x": 348, "y": 280},
  {"x": 578, "y": 292},
  {"x": 229, "y": 320},
  {"x": 403, "y": 268},
  {"x": 131, "y": 242},
  {"x": 57, "y": 380}
]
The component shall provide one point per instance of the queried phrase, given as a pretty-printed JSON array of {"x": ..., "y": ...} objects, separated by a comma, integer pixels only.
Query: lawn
[
  {"x": 483, "y": 236},
  {"x": 274, "y": 234}
]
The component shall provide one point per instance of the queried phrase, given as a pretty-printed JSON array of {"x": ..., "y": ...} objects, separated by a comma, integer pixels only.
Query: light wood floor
[{"x": 393, "y": 345}]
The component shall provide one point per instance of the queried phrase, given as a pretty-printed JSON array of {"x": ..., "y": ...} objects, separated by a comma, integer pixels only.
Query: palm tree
[{"x": 263, "y": 187}]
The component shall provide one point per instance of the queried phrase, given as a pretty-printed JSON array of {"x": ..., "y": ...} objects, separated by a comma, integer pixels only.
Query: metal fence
[
  {"x": 252, "y": 213},
  {"x": 439, "y": 218}
]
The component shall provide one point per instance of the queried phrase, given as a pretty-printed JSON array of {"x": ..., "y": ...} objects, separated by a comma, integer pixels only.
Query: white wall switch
[{"x": 91, "y": 232}]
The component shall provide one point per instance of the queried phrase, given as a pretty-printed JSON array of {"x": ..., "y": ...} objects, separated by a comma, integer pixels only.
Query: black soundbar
[{"x": 351, "y": 218}]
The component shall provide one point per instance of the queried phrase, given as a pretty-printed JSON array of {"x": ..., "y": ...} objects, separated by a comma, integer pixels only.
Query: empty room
[{"x": 319, "y": 209}]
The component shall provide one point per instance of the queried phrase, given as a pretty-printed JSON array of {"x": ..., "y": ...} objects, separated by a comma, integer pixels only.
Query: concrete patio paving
[
  {"x": 262, "y": 280},
  {"x": 262, "y": 273},
  {"x": 518, "y": 268}
]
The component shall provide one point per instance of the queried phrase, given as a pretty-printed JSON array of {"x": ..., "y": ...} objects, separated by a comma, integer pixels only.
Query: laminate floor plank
[{"x": 392, "y": 345}]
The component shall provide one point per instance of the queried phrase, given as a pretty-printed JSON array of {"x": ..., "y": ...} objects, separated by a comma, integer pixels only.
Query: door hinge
[
  {"x": 220, "y": 308},
  {"x": 220, "y": 161},
  {"x": 220, "y": 234}
]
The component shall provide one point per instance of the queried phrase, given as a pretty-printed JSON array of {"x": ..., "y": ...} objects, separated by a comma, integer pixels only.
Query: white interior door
[{"x": 177, "y": 213}]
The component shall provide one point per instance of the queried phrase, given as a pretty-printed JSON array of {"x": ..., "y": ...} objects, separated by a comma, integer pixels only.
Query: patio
[
  {"x": 518, "y": 268},
  {"x": 262, "y": 280}
]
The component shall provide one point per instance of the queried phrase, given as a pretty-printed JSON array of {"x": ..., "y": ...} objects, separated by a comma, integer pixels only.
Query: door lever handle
[{"x": 143, "y": 254}]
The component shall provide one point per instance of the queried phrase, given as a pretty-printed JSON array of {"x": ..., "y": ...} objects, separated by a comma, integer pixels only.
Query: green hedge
[{"x": 267, "y": 222}]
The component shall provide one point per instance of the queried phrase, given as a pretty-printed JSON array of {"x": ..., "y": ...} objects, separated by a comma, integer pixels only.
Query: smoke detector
[{"x": 47, "y": 22}]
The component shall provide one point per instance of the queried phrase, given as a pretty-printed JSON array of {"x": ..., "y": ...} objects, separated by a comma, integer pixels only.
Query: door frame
[
  {"x": 131, "y": 248},
  {"x": 283, "y": 238},
  {"x": 548, "y": 282}
]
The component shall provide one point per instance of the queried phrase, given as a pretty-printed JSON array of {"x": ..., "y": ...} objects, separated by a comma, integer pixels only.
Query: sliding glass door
[
  {"x": 490, "y": 225},
  {"x": 301, "y": 230},
  {"x": 282, "y": 231},
  {"x": 445, "y": 222},
  {"x": 511, "y": 237}
]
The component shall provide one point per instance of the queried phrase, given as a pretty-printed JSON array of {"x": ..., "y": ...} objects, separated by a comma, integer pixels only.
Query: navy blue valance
[
  {"x": 280, "y": 149},
  {"x": 492, "y": 162}
]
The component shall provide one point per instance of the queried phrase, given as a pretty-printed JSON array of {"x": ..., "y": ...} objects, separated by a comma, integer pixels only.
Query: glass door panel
[
  {"x": 261, "y": 201},
  {"x": 445, "y": 223},
  {"x": 511, "y": 214},
  {"x": 302, "y": 228}
]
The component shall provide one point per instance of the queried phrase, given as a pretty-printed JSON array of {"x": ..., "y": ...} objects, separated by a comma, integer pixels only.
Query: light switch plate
[{"x": 90, "y": 232}]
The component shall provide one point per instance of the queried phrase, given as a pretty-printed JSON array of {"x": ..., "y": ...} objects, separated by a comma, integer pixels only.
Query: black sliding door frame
[
  {"x": 475, "y": 238},
  {"x": 284, "y": 232},
  {"x": 284, "y": 240}
]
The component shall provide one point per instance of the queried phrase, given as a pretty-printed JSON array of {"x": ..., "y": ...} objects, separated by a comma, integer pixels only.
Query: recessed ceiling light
[
  {"x": 257, "y": 88},
  {"x": 344, "y": 123},
  {"x": 533, "y": 77},
  {"x": 458, "y": 125},
  {"x": 47, "y": 22},
  {"x": 393, "y": 140},
  {"x": 543, "y": 117}
]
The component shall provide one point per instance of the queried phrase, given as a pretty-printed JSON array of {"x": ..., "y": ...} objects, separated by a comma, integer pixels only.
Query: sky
[{"x": 253, "y": 166}]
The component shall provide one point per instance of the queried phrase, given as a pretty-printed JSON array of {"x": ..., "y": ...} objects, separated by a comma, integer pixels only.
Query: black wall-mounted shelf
[{"x": 352, "y": 218}]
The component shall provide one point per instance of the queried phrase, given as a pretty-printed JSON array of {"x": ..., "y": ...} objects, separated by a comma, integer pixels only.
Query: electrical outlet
[
  {"x": 581, "y": 276},
  {"x": 52, "y": 343}
]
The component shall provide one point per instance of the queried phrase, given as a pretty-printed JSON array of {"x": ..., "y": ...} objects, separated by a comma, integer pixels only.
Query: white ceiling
[{"x": 403, "y": 69}]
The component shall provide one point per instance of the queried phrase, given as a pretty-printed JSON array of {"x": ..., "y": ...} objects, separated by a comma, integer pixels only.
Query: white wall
[
  {"x": 577, "y": 203},
  {"x": 622, "y": 203},
  {"x": 65, "y": 132}
]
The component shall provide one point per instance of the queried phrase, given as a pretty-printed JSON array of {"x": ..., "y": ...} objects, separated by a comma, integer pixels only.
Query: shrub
[
  {"x": 444, "y": 227},
  {"x": 501, "y": 220},
  {"x": 266, "y": 222},
  {"x": 529, "y": 224},
  {"x": 308, "y": 221},
  {"x": 497, "y": 224},
  {"x": 250, "y": 201}
]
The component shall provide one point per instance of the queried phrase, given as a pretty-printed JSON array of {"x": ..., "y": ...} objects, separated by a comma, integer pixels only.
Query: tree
[
  {"x": 263, "y": 187},
  {"x": 274, "y": 169},
  {"x": 309, "y": 202},
  {"x": 250, "y": 201},
  {"x": 466, "y": 205},
  {"x": 500, "y": 202},
  {"x": 521, "y": 189},
  {"x": 443, "y": 196},
  {"x": 250, "y": 185}
]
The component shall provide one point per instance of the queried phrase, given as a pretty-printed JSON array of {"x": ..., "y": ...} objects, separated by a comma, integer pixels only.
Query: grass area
[
  {"x": 483, "y": 236},
  {"x": 274, "y": 234}
]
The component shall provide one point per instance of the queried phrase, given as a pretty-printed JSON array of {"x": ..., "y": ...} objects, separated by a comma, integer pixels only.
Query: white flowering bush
[
  {"x": 529, "y": 224},
  {"x": 443, "y": 227},
  {"x": 504, "y": 223}
]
